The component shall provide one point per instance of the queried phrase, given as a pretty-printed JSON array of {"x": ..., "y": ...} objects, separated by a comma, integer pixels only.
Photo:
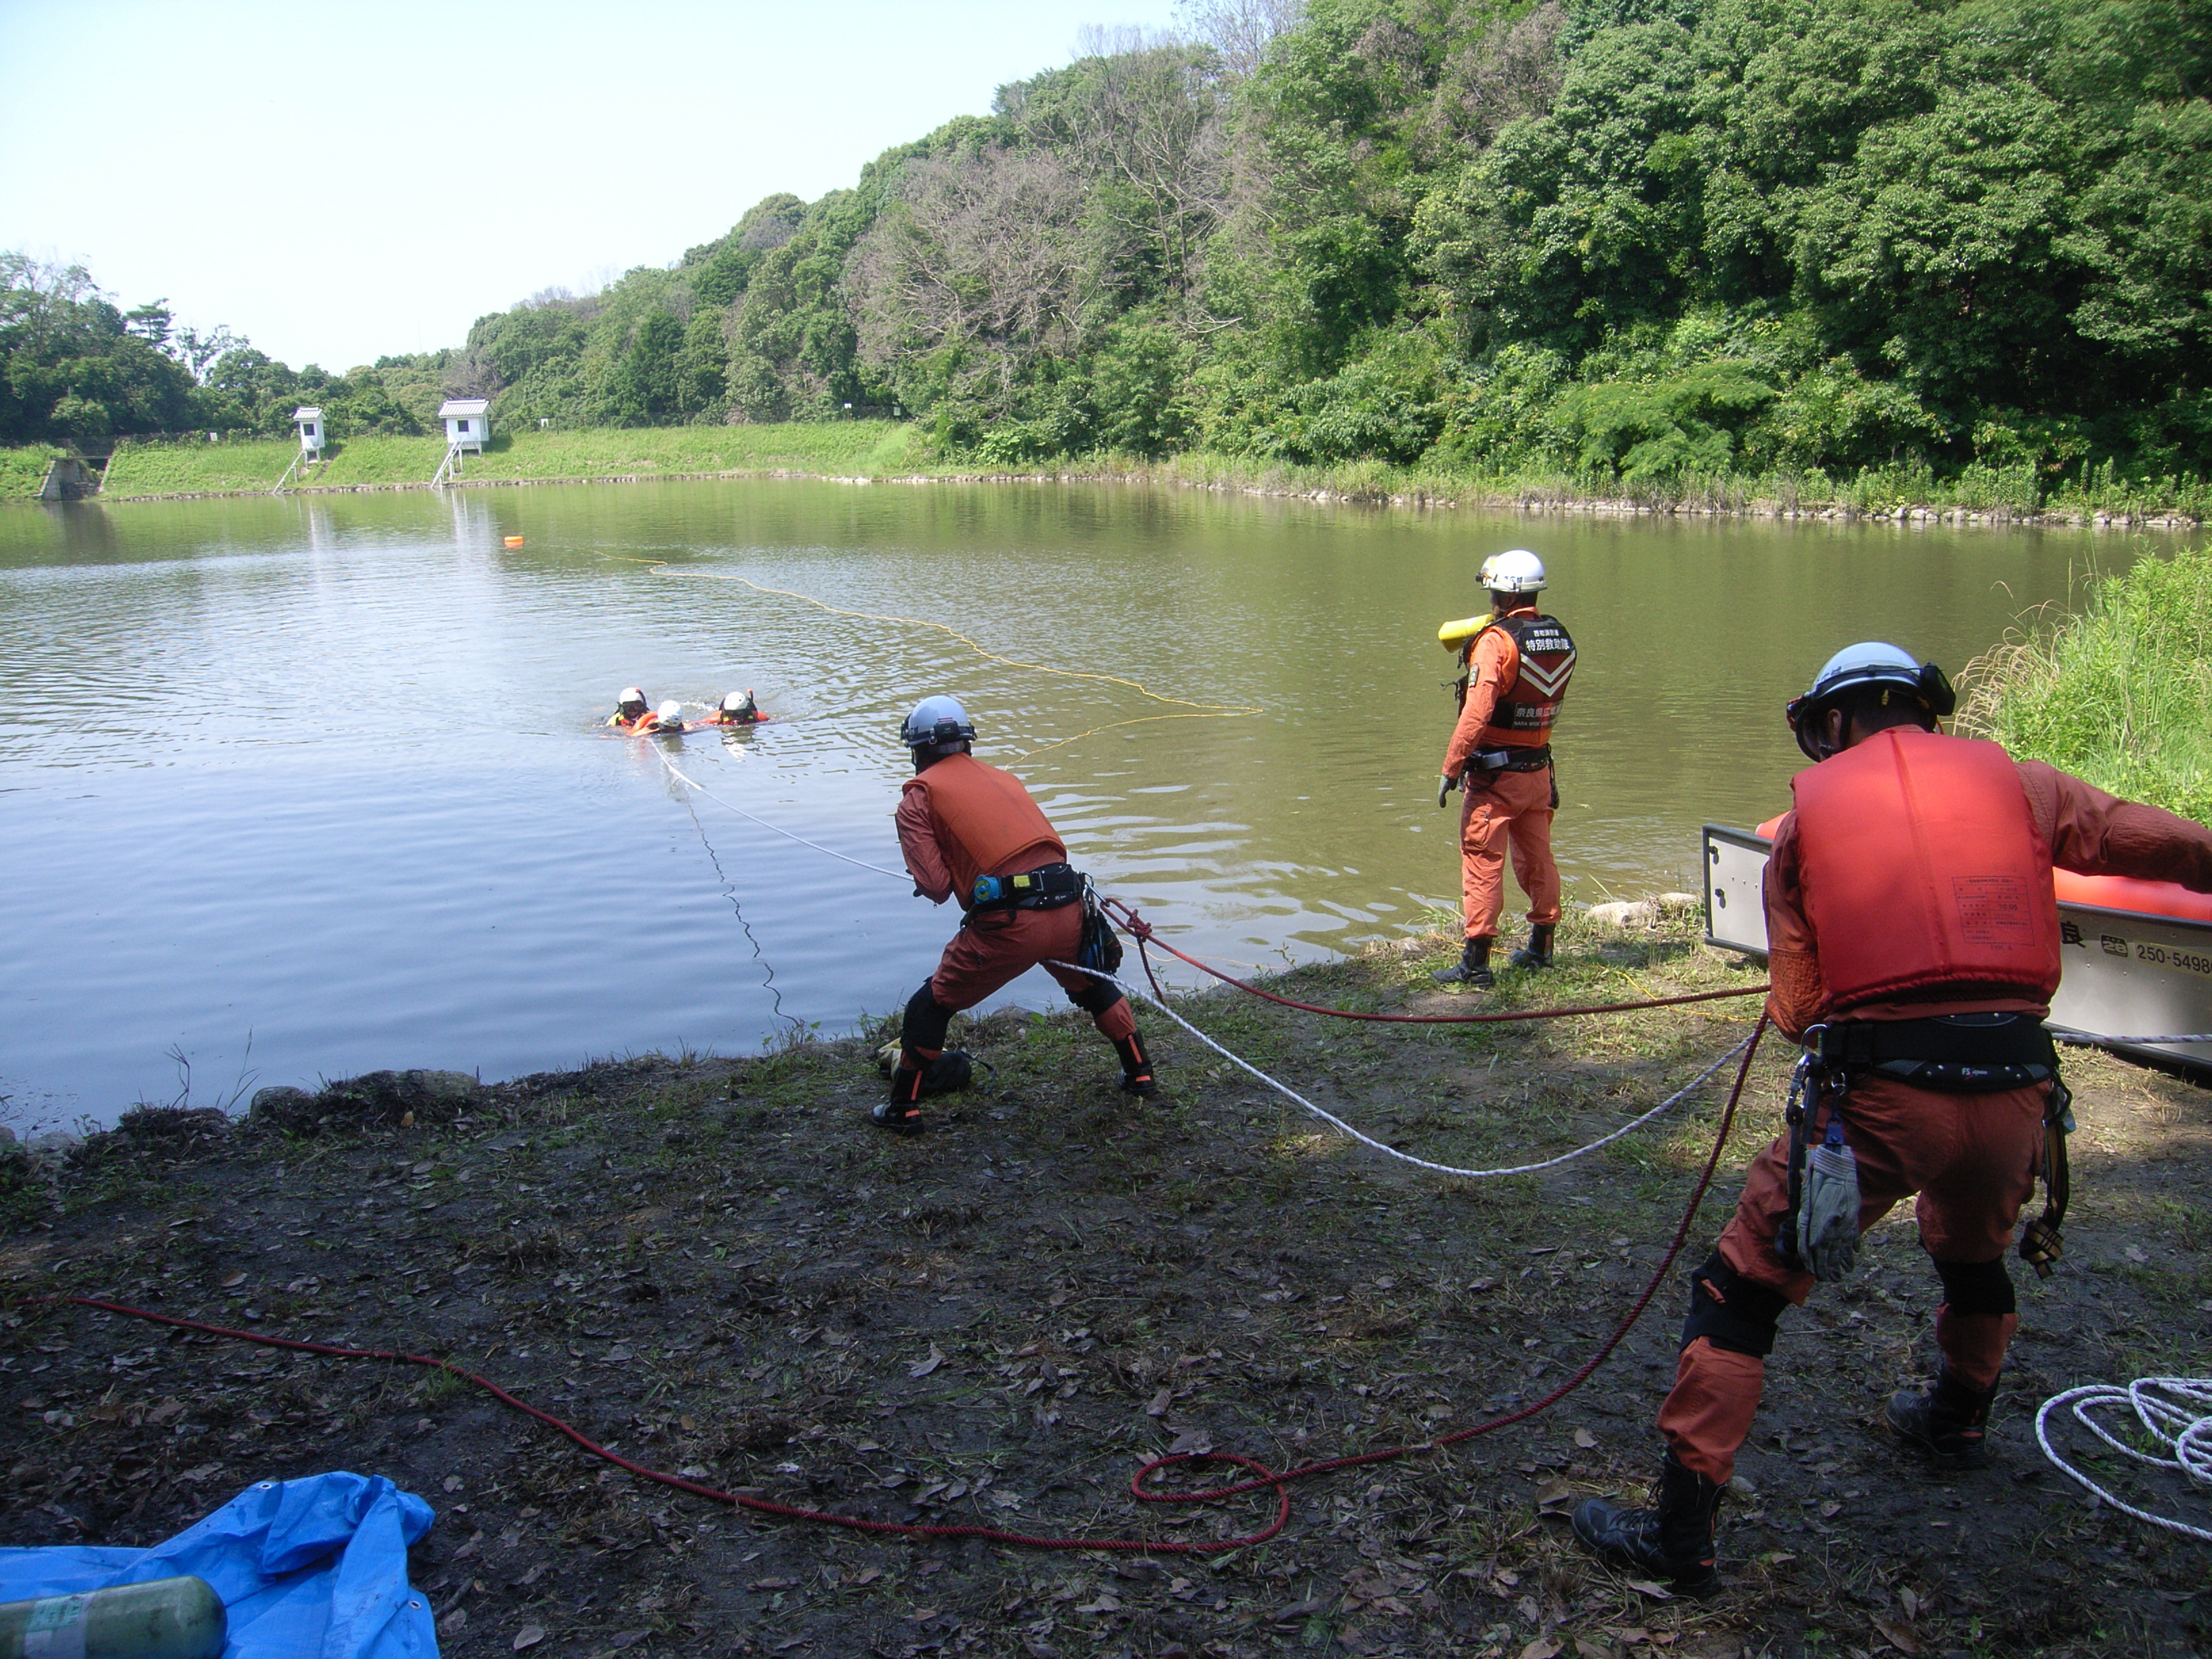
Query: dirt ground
[{"x": 717, "y": 1266}]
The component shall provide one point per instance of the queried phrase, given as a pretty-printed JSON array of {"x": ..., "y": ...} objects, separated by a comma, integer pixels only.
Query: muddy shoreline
[{"x": 717, "y": 1266}]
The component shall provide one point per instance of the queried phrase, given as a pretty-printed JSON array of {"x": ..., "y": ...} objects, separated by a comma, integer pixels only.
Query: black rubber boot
[
  {"x": 1137, "y": 1077},
  {"x": 1948, "y": 1423},
  {"x": 1472, "y": 968},
  {"x": 1673, "y": 1541},
  {"x": 912, "y": 1083},
  {"x": 1537, "y": 952}
]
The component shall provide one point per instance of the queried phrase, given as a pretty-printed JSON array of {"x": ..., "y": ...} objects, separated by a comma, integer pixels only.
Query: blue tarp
[{"x": 313, "y": 1569}]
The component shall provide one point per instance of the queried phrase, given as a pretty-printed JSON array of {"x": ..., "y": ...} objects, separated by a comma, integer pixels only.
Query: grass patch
[
  {"x": 2120, "y": 695},
  {"x": 22, "y": 470},
  {"x": 848, "y": 447}
]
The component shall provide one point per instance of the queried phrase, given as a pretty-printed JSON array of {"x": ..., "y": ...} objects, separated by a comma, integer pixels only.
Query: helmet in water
[
  {"x": 1514, "y": 571},
  {"x": 737, "y": 705},
  {"x": 670, "y": 713},
  {"x": 631, "y": 703},
  {"x": 938, "y": 726},
  {"x": 1868, "y": 665}
]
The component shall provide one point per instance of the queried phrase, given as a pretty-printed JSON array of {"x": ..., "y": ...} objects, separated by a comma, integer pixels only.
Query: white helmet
[
  {"x": 736, "y": 703},
  {"x": 1859, "y": 667},
  {"x": 671, "y": 712},
  {"x": 632, "y": 696},
  {"x": 939, "y": 725},
  {"x": 1514, "y": 571}
]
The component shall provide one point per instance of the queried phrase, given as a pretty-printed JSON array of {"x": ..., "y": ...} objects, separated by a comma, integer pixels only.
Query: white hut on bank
[
  {"x": 310, "y": 422},
  {"x": 468, "y": 424},
  {"x": 468, "y": 430}
]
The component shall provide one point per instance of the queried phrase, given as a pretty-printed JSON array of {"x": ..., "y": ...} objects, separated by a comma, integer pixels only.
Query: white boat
[{"x": 2137, "y": 954}]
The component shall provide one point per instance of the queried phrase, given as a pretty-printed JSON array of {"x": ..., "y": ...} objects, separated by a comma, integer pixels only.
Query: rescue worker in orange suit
[
  {"x": 632, "y": 712},
  {"x": 970, "y": 832},
  {"x": 1517, "y": 670},
  {"x": 738, "y": 709},
  {"x": 632, "y": 717},
  {"x": 1915, "y": 946}
]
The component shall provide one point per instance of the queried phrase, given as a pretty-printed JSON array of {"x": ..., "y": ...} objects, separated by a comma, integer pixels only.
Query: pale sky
[{"x": 339, "y": 181}]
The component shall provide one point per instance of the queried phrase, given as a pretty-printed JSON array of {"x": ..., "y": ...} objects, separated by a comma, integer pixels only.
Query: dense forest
[{"x": 1634, "y": 238}]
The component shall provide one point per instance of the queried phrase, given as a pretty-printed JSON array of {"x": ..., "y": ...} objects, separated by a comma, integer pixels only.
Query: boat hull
[{"x": 2126, "y": 972}]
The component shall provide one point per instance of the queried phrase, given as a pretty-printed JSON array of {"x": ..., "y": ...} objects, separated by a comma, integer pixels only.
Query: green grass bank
[
  {"x": 841, "y": 448},
  {"x": 2120, "y": 695},
  {"x": 888, "y": 449}
]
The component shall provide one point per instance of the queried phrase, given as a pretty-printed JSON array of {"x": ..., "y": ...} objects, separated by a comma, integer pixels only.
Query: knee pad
[
  {"x": 1978, "y": 1287},
  {"x": 1096, "y": 998},
  {"x": 1730, "y": 1311},
  {"x": 925, "y": 1022}
]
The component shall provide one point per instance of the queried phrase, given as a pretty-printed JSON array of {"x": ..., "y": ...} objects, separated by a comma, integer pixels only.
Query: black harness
[{"x": 1950, "y": 1054}]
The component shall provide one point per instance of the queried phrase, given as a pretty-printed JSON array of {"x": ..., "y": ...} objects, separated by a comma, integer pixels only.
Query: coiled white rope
[
  {"x": 677, "y": 773},
  {"x": 1330, "y": 1118},
  {"x": 2176, "y": 1411}
]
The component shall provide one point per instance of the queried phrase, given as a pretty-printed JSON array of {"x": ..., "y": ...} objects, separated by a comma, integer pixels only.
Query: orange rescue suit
[
  {"x": 1923, "y": 873},
  {"x": 986, "y": 823}
]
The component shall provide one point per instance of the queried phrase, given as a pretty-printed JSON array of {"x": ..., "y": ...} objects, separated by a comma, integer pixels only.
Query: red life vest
[
  {"x": 1527, "y": 708},
  {"x": 1924, "y": 874},
  {"x": 987, "y": 824}
]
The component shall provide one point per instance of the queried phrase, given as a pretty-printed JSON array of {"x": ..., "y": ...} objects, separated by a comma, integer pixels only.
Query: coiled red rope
[
  {"x": 1141, "y": 930},
  {"x": 1262, "y": 1477}
]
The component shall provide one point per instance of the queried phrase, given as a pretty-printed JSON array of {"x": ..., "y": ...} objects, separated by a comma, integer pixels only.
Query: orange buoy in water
[{"x": 514, "y": 541}]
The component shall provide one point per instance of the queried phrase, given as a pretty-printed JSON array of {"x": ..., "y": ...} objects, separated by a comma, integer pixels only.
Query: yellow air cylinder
[
  {"x": 162, "y": 1619},
  {"x": 1453, "y": 636}
]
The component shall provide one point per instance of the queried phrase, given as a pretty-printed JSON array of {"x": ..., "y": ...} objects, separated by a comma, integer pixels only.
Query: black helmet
[{"x": 1860, "y": 667}]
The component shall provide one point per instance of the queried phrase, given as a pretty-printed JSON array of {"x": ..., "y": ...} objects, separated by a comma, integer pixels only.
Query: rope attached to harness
[
  {"x": 1142, "y": 931},
  {"x": 1387, "y": 1151}
]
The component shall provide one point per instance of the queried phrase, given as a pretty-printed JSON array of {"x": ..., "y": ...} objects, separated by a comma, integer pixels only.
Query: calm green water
[{"x": 298, "y": 788}]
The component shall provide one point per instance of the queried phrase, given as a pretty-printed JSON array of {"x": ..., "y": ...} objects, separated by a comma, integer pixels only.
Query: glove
[
  {"x": 1829, "y": 1220},
  {"x": 1445, "y": 784}
]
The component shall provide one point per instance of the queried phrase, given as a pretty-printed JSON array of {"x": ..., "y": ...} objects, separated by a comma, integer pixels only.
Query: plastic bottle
[{"x": 161, "y": 1619}]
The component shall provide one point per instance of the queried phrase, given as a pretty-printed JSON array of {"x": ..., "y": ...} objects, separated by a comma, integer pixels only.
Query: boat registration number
[{"x": 2190, "y": 962}]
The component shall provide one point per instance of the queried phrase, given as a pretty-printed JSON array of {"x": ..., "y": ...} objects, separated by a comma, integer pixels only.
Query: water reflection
[{"x": 329, "y": 770}]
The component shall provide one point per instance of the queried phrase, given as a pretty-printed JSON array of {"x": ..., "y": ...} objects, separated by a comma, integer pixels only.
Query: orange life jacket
[
  {"x": 1527, "y": 708},
  {"x": 987, "y": 824},
  {"x": 1924, "y": 874}
]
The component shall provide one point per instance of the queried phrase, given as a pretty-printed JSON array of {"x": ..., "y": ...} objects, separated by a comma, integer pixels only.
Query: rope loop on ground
[{"x": 2173, "y": 1412}]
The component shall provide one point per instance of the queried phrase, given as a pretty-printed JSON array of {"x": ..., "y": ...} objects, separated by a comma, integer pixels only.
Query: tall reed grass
[{"x": 2120, "y": 695}]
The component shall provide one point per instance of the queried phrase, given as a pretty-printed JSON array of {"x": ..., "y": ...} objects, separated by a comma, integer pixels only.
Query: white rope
[
  {"x": 2174, "y": 1410},
  {"x": 676, "y": 771},
  {"x": 1293, "y": 1096}
]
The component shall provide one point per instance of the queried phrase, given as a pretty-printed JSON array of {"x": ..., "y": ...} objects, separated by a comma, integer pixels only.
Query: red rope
[
  {"x": 1262, "y": 1476},
  {"x": 1141, "y": 930}
]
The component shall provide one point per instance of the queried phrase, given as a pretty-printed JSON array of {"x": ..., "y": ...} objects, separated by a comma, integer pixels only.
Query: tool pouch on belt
[
  {"x": 2041, "y": 1241},
  {"x": 1101, "y": 949},
  {"x": 1044, "y": 889},
  {"x": 1488, "y": 762}
]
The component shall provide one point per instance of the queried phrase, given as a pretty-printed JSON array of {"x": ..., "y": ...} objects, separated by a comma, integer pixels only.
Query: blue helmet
[
  {"x": 1867, "y": 663},
  {"x": 938, "y": 726}
]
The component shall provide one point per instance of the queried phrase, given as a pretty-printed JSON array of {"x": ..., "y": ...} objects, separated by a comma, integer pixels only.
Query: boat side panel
[
  {"x": 2128, "y": 975},
  {"x": 1735, "y": 876}
]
